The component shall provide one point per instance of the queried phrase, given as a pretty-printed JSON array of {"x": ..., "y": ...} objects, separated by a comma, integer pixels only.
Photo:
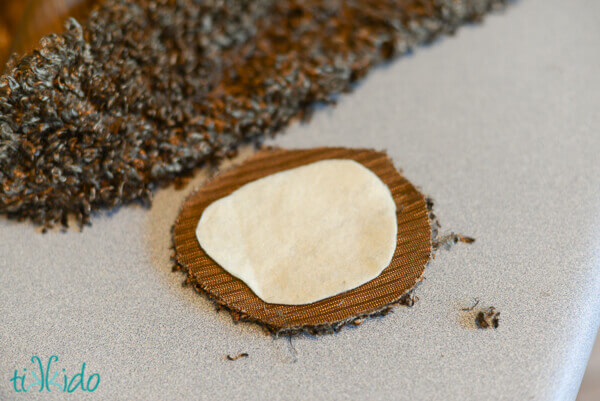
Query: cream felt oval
[{"x": 304, "y": 234}]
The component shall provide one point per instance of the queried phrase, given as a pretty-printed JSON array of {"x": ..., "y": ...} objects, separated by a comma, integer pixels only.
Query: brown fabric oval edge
[{"x": 375, "y": 298}]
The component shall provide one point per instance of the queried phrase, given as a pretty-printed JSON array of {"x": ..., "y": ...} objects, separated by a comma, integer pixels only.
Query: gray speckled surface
[{"x": 499, "y": 124}]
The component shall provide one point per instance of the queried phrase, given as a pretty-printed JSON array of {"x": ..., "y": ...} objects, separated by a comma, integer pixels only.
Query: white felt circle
[{"x": 304, "y": 234}]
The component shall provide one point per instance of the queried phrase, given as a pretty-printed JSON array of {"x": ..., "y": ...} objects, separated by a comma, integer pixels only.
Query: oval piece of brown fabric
[{"x": 413, "y": 248}]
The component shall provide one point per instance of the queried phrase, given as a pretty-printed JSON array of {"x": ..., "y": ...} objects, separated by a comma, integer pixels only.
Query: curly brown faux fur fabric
[{"x": 147, "y": 90}]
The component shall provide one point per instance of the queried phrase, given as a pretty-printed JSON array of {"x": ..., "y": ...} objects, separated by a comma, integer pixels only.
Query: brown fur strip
[{"x": 147, "y": 90}]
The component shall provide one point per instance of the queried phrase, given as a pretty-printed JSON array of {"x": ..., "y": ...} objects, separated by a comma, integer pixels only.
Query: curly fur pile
[{"x": 147, "y": 90}]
